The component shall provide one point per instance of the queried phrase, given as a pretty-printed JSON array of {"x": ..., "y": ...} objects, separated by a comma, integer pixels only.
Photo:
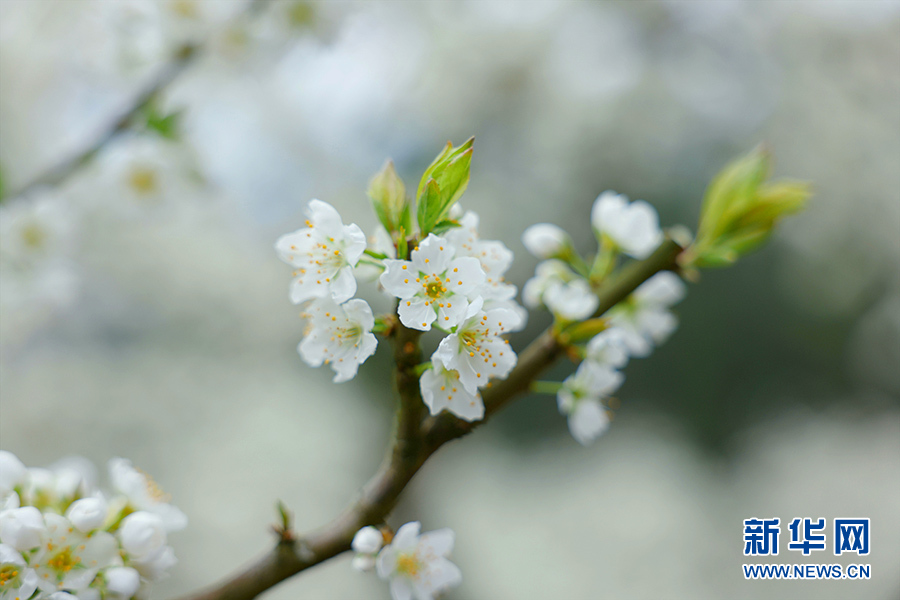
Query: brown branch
[{"x": 414, "y": 444}]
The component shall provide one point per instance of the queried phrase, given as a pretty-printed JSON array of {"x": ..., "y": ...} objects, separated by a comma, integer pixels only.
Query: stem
[
  {"x": 414, "y": 444},
  {"x": 545, "y": 387}
]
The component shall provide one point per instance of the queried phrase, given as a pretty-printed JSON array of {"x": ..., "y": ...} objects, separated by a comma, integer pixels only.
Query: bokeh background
[{"x": 158, "y": 326}]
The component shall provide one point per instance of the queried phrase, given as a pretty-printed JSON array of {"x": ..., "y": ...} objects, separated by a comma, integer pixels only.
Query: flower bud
[
  {"x": 122, "y": 582},
  {"x": 388, "y": 195},
  {"x": 142, "y": 535},
  {"x": 12, "y": 472},
  {"x": 21, "y": 528},
  {"x": 545, "y": 240},
  {"x": 367, "y": 540},
  {"x": 88, "y": 514}
]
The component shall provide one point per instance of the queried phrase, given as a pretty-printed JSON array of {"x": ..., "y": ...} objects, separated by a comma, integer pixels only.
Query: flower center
[
  {"x": 143, "y": 180},
  {"x": 8, "y": 573},
  {"x": 348, "y": 334},
  {"x": 33, "y": 236},
  {"x": 434, "y": 289},
  {"x": 64, "y": 561},
  {"x": 185, "y": 8},
  {"x": 408, "y": 564},
  {"x": 155, "y": 492}
]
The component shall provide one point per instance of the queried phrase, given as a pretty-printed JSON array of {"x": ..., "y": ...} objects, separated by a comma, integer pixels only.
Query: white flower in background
[
  {"x": 324, "y": 254},
  {"x": 433, "y": 285},
  {"x": 339, "y": 335},
  {"x": 475, "y": 349},
  {"x": 37, "y": 233},
  {"x": 142, "y": 493},
  {"x": 632, "y": 228},
  {"x": 122, "y": 583},
  {"x": 608, "y": 348},
  {"x": 366, "y": 543},
  {"x": 565, "y": 293},
  {"x": 580, "y": 399},
  {"x": 141, "y": 171},
  {"x": 13, "y": 474},
  {"x": 495, "y": 259},
  {"x": 22, "y": 528},
  {"x": 441, "y": 389},
  {"x": 416, "y": 565},
  {"x": 87, "y": 514},
  {"x": 644, "y": 318},
  {"x": 545, "y": 240},
  {"x": 69, "y": 560},
  {"x": 17, "y": 580}
]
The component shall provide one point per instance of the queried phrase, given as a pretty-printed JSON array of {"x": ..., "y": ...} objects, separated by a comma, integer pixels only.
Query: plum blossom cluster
[
  {"x": 566, "y": 284},
  {"x": 415, "y": 564},
  {"x": 444, "y": 276},
  {"x": 61, "y": 538}
]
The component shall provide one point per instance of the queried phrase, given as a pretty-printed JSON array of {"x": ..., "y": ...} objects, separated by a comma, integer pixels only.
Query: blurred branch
[
  {"x": 415, "y": 441},
  {"x": 183, "y": 58}
]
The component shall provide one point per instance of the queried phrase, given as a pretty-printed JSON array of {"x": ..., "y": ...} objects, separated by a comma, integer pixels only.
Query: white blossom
[
  {"x": 121, "y": 582},
  {"x": 565, "y": 293},
  {"x": 87, "y": 514},
  {"x": 416, "y": 565},
  {"x": 339, "y": 335},
  {"x": 142, "y": 535},
  {"x": 644, "y": 319},
  {"x": 495, "y": 259},
  {"x": 140, "y": 172},
  {"x": 366, "y": 543},
  {"x": 475, "y": 349},
  {"x": 608, "y": 348},
  {"x": 37, "y": 235},
  {"x": 545, "y": 240},
  {"x": 323, "y": 254},
  {"x": 13, "y": 474},
  {"x": 70, "y": 560},
  {"x": 17, "y": 580},
  {"x": 433, "y": 285},
  {"x": 142, "y": 493},
  {"x": 580, "y": 399},
  {"x": 633, "y": 228},
  {"x": 441, "y": 389},
  {"x": 22, "y": 528}
]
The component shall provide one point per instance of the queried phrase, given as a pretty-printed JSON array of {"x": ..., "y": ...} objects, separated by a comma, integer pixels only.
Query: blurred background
[{"x": 148, "y": 316}]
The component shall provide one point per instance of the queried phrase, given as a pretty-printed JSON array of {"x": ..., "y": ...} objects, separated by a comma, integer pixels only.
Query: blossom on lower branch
[
  {"x": 339, "y": 335},
  {"x": 644, "y": 319},
  {"x": 81, "y": 543},
  {"x": 415, "y": 564},
  {"x": 581, "y": 396}
]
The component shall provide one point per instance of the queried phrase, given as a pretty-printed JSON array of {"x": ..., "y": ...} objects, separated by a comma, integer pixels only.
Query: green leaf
[
  {"x": 388, "y": 195},
  {"x": 445, "y": 226},
  {"x": 741, "y": 209},
  {"x": 167, "y": 125},
  {"x": 443, "y": 183}
]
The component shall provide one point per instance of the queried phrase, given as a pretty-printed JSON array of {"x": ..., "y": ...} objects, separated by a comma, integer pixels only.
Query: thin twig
[
  {"x": 407, "y": 456},
  {"x": 183, "y": 58}
]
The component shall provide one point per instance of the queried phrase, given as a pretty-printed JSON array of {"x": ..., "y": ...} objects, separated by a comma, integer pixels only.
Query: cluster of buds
[{"x": 61, "y": 538}]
